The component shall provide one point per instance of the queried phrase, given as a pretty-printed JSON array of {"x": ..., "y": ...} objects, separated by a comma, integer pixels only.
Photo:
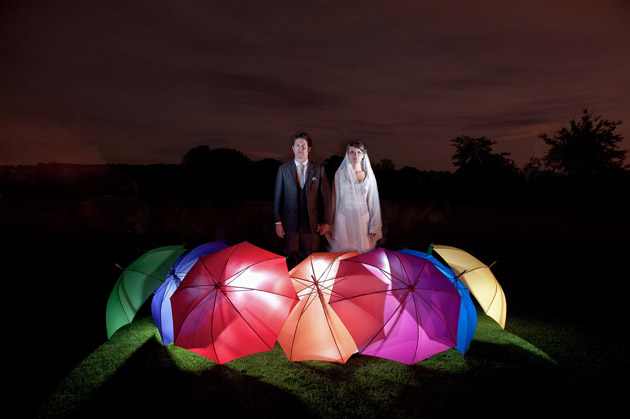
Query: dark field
[{"x": 561, "y": 264}]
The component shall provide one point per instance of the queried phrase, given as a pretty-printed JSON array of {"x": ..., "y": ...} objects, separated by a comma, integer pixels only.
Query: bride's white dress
[{"x": 357, "y": 211}]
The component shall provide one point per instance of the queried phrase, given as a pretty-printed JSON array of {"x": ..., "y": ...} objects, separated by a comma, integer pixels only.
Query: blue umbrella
[
  {"x": 467, "y": 313},
  {"x": 161, "y": 304}
]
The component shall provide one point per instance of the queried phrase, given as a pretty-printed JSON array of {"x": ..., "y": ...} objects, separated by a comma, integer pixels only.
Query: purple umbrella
[
  {"x": 161, "y": 303},
  {"x": 396, "y": 306}
]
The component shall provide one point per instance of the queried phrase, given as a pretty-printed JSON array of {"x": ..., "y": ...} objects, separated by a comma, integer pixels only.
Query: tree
[
  {"x": 197, "y": 156},
  {"x": 215, "y": 158},
  {"x": 217, "y": 173},
  {"x": 588, "y": 147},
  {"x": 474, "y": 157},
  {"x": 384, "y": 165}
]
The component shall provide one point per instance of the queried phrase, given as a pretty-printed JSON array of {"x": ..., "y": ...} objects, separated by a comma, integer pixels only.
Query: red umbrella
[
  {"x": 396, "y": 306},
  {"x": 233, "y": 303}
]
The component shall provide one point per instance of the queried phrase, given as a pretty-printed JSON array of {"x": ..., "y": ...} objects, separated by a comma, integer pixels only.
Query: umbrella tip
[{"x": 118, "y": 266}]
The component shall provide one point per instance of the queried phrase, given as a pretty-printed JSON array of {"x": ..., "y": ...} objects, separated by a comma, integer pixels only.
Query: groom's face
[{"x": 301, "y": 149}]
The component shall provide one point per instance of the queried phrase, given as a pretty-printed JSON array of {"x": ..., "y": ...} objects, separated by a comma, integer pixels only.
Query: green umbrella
[{"x": 136, "y": 283}]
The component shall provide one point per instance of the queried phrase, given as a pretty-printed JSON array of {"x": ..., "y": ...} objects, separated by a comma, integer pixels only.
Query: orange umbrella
[{"x": 313, "y": 330}]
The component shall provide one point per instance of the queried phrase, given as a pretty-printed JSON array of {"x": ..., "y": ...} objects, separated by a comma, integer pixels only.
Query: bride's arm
[{"x": 375, "y": 225}]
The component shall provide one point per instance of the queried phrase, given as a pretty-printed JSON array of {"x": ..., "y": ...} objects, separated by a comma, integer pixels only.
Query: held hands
[{"x": 322, "y": 229}]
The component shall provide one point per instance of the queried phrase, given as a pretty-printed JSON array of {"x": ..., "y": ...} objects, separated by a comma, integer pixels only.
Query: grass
[
  {"x": 503, "y": 373},
  {"x": 562, "y": 352}
]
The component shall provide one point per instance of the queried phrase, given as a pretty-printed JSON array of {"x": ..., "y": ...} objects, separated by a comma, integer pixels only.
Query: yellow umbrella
[{"x": 479, "y": 280}]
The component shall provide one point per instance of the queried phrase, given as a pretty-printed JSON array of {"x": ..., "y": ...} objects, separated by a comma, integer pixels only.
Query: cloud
[{"x": 148, "y": 83}]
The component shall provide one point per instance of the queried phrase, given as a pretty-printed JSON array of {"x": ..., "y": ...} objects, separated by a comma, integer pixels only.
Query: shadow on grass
[
  {"x": 134, "y": 375},
  {"x": 151, "y": 384}
]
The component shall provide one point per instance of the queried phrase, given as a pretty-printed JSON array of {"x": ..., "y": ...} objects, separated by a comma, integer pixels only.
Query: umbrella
[
  {"x": 161, "y": 303},
  {"x": 136, "y": 283},
  {"x": 467, "y": 314},
  {"x": 313, "y": 330},
  {"x": 396, "y": 306},
  {"x": 233, "y": 303},
  {"x": 479, "y": 280}
]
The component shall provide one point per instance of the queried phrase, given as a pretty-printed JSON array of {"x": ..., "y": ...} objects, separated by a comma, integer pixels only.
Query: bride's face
[{"x": 355, "y": 156}]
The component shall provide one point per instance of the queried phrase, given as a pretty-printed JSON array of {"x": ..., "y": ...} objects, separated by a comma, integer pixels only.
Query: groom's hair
[{"x": 304, "y": 136}]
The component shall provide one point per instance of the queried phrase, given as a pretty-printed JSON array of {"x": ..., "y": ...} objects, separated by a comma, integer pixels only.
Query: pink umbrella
[
  {"x": 233, "y": 303},
  {"x": 396, "y": 306}
]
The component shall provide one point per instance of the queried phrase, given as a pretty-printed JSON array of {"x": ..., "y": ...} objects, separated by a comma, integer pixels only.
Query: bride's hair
[{"x": 357, "y": 144}]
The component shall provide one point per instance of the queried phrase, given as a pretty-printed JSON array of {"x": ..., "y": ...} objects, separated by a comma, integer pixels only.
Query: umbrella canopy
[
  {"x": 396, "y": 306},
  {"x": 136, "y": 284},
  {"x": 161, "y": 303},
  {"x": 313, "y": 330},
  {"x": 467, "y": 313},
  {"x": 233, "y": 303},
  {"x": 479, "y": 280}
]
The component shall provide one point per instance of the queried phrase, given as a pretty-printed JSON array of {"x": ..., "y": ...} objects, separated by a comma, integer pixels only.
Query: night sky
[{"x": 144, "y": 81}]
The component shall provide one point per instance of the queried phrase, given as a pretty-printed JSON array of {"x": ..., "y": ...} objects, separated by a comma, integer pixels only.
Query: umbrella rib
[
  {"x": 312, "y": 300},
  {"x": 246, "y": 322},
  {"x": 494, "y": 296},
  {"x": 234, "y": 288},
  {"x": 205, "y": 297},
  {"x": 144, "y": 273},
  {"x": 440, "y": 315},
  {"x": 360, "y": 295},
  {"x": 388, "y": 291},
  {"x": 239, "y": 273},
  {"x": 328, "y": 288},
  {"x": 121, "y": 291},
  {"x": 496, "y": 290},
  {"x": 332, "y": 334},
  {"x": 302, "y": 281},
  {"x": 298, "y": 322},
  {"x": 214, "y": 347},
  {"x": 404, "y": 268},
  {"x": 415, "y": 306},
  {"x": 384, "y": 272},
  {"x": 384, "y": 324}
]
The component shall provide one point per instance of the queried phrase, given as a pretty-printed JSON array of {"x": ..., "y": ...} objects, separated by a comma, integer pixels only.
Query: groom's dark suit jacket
[{"x": 287, "y": 193}]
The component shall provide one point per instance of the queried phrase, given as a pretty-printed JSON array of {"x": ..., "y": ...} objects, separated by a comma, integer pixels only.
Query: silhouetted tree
[
  {"x": 384, "y": 165},
  {"x": 331, "y": 164},
  {"x": 216, "y": 174},
  {"x": 474, "y": 157},
  {"x": 263, "y": 178},
  {"x": 535, "y": 168},
  {"x": 197, "y": 156},
  {"x": 588, "y": 147}
]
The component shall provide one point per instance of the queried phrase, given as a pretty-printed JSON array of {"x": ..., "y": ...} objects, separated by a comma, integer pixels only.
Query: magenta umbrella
[{"x": 396, "y": 306}]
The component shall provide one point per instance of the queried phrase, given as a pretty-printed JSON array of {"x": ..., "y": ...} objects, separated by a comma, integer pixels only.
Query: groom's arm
[
  {"x": 324, "y": 203},
  {"x": 325, "y": 196},
  {"x": 278, "y": 199}
]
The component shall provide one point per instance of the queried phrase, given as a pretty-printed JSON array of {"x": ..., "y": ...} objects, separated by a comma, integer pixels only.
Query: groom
[{"x": 301, "y": 202}]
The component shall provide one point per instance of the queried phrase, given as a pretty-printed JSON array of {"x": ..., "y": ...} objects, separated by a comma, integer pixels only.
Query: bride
[{"x": 356, "y": 224}]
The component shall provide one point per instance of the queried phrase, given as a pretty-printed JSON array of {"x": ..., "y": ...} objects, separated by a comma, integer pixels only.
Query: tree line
[{"x": 584, "y": 163}]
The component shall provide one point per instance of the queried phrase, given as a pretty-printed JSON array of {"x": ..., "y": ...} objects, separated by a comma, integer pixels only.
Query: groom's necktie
[{"x": 301, "y": 175}]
